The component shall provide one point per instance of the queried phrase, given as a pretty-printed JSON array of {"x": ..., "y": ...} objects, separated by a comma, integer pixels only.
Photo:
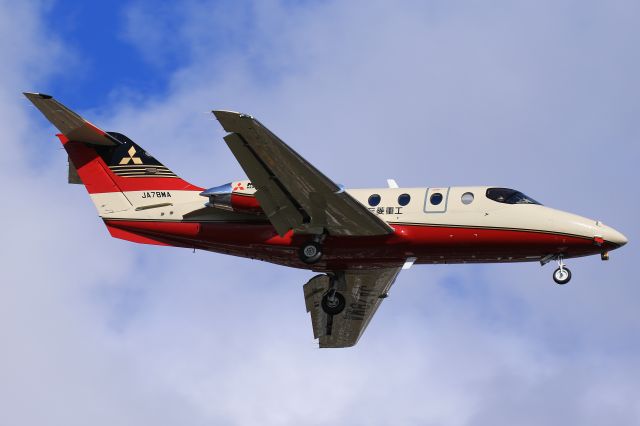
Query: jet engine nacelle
[{"x": 234, "y": 196}]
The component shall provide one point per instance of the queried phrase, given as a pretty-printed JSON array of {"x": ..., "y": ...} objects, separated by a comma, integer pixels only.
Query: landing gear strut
[
  {"x": 562, "y": 275},
  {"x": 310, "y": 252}
]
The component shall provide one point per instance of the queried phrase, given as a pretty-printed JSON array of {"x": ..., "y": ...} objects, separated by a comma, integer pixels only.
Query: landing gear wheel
[
  {"x": 310, "y": 252},
  {"x": 333, "y": 302},
  {"x": 562, "y": 275}
]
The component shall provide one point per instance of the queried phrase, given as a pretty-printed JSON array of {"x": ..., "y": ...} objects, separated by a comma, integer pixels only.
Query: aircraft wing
[
  {"x": 363, "y": 291},
  {"x": 70, "y": 124},
  {"x": 292, "y": 192}
]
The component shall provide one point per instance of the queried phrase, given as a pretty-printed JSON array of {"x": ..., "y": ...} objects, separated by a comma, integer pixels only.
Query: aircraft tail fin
[{"x": 110, "y": 165}]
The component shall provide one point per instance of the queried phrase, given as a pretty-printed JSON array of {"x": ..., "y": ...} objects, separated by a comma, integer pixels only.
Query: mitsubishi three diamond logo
[{"x": 131, "y": 157}]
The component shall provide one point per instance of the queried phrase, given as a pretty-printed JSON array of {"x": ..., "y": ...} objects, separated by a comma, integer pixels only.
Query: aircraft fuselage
[{"x": 435, "y": 225}]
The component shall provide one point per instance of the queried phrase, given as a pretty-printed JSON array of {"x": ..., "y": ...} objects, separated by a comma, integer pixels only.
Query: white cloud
[
  {"x": 58, "y": 365},
  {"x": 537, "y": 96}
]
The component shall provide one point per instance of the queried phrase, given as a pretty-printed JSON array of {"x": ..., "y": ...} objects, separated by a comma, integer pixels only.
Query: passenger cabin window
[
  {"x": 374, "y": 200},
  {"x": 404, "y": 199},
  {"x": 467, "y": 198},
  {"x": 509, "y": 196},
  {"x": 436, "y": 198}
]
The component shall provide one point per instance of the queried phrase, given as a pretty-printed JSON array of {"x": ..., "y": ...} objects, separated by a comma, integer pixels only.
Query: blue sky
[
  {"x": 100, "y": 37},
  {"x": 539, "y": 96},
  {"x": 103, "y": 57}
]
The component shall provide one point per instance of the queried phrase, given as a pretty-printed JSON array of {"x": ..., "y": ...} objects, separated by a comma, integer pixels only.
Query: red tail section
[{"x": 121, "y": 168}]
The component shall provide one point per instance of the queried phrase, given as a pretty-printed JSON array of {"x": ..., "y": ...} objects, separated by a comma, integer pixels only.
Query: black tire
[
  {"x": 560, "y": 278},
  {"x": 310, "y": 252},
  {"x": 333, "y": 307}
]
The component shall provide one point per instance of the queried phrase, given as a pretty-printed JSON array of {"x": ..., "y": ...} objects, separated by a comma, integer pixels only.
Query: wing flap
[
  {"x": 363, "y": 291},
  {"x": 70, "y": 124},
  {"x": 277, "y": 205},
  {"x": 321, "y": 203}
]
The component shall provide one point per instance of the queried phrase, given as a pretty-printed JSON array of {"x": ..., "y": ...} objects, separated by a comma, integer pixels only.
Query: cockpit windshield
[{"x": 509, "y": 196}]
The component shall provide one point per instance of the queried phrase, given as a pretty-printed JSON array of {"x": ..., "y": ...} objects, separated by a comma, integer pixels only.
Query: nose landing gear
[{"x": 562, "y": 274}]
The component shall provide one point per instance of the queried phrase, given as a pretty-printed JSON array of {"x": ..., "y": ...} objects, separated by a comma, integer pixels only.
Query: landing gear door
[{"x": 436, "y": 200}]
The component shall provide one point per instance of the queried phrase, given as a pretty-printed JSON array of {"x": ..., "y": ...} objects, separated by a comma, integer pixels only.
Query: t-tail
[{"x": 120, "y": 176}]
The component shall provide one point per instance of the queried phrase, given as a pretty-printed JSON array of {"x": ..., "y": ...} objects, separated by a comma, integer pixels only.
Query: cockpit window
[{"x": 509, "y": 196}]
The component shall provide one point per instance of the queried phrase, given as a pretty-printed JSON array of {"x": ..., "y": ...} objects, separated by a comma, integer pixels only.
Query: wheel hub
[
  {"x": 310, "y": 251},
  {"x": 332, "y": 301},
  {"x": 561, "y": 274}
]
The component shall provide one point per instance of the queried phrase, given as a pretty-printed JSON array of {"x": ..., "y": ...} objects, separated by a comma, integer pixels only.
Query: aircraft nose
[{"x": 614, "y": 237}]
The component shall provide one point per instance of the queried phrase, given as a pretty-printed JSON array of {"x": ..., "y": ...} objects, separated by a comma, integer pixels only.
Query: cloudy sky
[{"x": 543, "y": 96}]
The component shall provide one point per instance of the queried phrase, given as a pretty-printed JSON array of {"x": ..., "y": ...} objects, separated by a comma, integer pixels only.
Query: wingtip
[
  {"x": 231, "y": 121},
  {"x": 31, "y": 95},
  {"x": 221, "y": 113}
]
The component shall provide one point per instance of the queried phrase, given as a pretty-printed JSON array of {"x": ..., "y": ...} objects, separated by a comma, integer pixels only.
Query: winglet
[{"x": 70, "y": 124}]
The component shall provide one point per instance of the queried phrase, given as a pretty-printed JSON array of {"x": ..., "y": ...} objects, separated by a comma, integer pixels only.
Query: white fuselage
[{"x": 476, "y": 211}]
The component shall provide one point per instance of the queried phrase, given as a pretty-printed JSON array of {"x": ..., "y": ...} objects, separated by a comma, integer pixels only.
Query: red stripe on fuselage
[{"x": 430, "y": 244}]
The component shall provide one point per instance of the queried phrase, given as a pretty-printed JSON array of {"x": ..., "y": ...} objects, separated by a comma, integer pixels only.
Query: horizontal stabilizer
[{"x": 70, "y": 124}]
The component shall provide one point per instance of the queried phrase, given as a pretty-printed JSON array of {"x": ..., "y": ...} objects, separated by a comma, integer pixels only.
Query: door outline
[{"x": 440, "y": 208}]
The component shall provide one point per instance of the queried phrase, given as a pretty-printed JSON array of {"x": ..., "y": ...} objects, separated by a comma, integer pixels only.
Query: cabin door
[{"x": 436, "y": 200}]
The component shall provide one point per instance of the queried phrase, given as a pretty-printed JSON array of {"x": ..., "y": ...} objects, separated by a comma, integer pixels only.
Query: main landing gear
[
  {"x": 562, "y": 274},
  {"x": 333, "y": 302},
  {"x": 311, "y": 251}
]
